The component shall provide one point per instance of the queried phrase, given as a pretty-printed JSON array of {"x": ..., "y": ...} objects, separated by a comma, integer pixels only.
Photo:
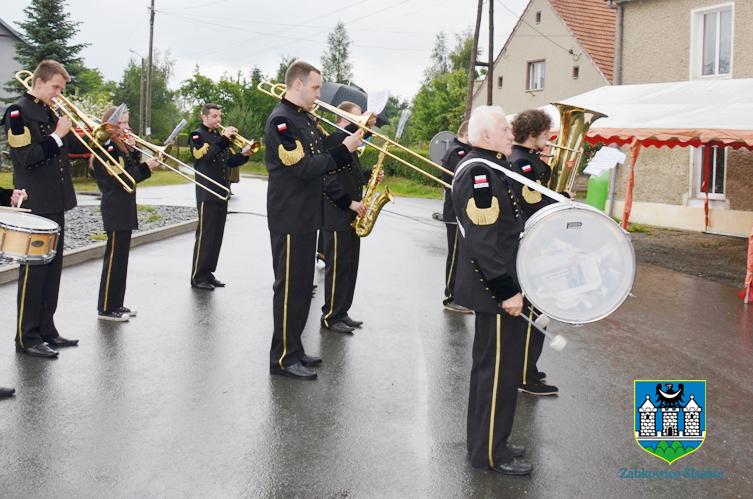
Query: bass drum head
[{"x": 574, "y": 263}]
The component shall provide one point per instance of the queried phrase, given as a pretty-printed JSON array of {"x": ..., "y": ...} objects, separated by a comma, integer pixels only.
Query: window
[
  {"x": 576, "y": 72},
  {"x": 499, "y": 82},
  {"x": 538, "y": 17},
  {"x": 716, "y": 158},
  {"x": 711, "y": 48},
  {"x": 535, "y": 79}
]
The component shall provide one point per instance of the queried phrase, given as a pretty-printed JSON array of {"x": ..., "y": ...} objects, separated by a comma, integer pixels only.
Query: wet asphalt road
[{"x": 179, "y": 402}]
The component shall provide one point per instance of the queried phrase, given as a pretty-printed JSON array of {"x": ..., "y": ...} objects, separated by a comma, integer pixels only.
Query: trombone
[
  {"x": 277, "y": 90},
  {"x": 90, "y": 128},
  {"x": 160, "y": 154}
]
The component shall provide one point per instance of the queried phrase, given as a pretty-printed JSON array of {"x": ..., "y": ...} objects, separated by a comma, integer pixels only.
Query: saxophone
[{"x": 374, "y": 201}]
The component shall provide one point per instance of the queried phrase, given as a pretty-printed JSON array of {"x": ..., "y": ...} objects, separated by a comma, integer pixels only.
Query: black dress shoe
[
  {"x": 206, "y": 286},
  {"x": 516, "y": 450},
  {"x": 59, "y": 342},
  {"x": 541, "y": 376},
  {"x": 514, "y": 467},
  {"x": 339, "y": 327},
  {"x": 310, "y": 360},
  {"x": 539, "y": 389},
  {"x": 6, "y": 392},
  {"x": 295, "y": 371},
  {"x": 352, "y": 322},
  {"x": 216, "y": 283},
  {"x": 41, "y": 350}
]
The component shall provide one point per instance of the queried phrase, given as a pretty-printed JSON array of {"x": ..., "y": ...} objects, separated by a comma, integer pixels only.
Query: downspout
[{"x": 616, "y": 80}]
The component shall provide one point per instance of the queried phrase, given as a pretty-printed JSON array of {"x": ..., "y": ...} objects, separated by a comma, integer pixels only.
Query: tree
[
  {"x": 439, "y": 58},
  {"x": 165, "y": 113},
  {"x": 335, "y": 64},
  {"x": 49, "y": 31},
  {"x": 285, "y": 62},
  {"x": 460, "y": 57},
  {"x": 439, "y": 105}
]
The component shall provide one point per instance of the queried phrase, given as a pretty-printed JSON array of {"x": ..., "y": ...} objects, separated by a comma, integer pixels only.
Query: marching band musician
[
  {"x": 39, "y": 143},
  {"x": 213, "y": 158},
  {"x": 119, "y": 216},
  {"x": 296, "y": 159},
  {"x": 455, "y": 153},
  {"x": 531, "y": 131},
  {"x": 490, "y": 222},
  {"x": 343, "y": 192}
]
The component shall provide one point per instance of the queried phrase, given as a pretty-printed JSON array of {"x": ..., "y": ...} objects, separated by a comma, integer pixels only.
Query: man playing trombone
[
  {"x": 39, "y": 144},
  {"x": 296, "y": 159},
  {"x": 212, "y": 158}
]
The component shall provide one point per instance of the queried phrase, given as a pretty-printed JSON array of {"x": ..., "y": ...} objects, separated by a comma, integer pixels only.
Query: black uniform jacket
[
  {"x": 528, "y": 163},
  {"x": 341, "y": 188},
  {"x": 212, "y": 157},
  {"x": 490, "y": 222},
  {"x": 117, "y": 205},
  {"x": 296, "y": 159},
  {"x": 39, "y": 165},
  {"x": 454, "y": 155},
  {"x": 5, "y": 195}
]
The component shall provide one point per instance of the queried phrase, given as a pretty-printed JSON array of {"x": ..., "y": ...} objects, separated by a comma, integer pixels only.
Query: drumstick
[{"x": 557, "y": 342}]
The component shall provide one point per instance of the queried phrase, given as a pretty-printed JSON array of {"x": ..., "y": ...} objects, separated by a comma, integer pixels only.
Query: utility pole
[
  {"x": 142, "y": 91},
  {"x": 474, "y": 62},
  {"x": 472, "y": 65},
  {"x": 148, "y": 107}
]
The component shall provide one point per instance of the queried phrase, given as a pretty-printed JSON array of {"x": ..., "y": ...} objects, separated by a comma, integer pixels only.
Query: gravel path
[{"x": 83, "y": 224}]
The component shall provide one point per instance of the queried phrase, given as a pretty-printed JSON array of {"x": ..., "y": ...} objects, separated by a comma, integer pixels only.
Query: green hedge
[{"x": 392, "y": 167}]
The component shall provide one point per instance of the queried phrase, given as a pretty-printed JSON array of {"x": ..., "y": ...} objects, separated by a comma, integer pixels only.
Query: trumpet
[
  {"x": 164, "y": 158},
  {"x": 277, "y": 90},
  {"x": 238, "y": 143},
  {"x": 92, "y": 130}
]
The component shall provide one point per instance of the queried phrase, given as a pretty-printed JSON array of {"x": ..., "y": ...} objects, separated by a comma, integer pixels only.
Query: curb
[{"x": 9, "y": 273}]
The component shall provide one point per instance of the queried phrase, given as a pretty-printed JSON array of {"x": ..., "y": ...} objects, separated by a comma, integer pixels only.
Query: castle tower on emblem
[
  {"x": 669, "y": 421},
  {"x": 648, "y": 418},
  {"x": 692, "y": 418}
]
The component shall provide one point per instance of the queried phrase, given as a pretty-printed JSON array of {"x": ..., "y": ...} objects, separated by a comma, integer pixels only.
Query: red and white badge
[
  {"x": 461, "y": 152},
  {"x": 282, "y": 127},
  {"x": 15, "y": 113},
  {"x": 195, "y": 136},
  {"x": 526, "y": 168},
  {"x": 109, "y": 148},
  {"x": 480, "y": 181}
]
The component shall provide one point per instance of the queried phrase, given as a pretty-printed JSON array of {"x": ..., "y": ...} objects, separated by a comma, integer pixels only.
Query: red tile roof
[{"x": 593, "y": 24}]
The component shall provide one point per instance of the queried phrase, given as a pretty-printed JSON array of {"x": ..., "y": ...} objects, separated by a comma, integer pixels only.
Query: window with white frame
[
  {"x": 535, "y": 80},
  {"x": 712, "y": 31},
  {"x": 716, "y": 158}
]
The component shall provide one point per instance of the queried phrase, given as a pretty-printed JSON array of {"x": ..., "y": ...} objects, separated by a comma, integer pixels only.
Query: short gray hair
[{"x": 483, "y": 119}]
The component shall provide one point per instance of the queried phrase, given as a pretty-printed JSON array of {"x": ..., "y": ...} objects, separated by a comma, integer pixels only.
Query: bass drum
[{"x": 574, "y": 263}]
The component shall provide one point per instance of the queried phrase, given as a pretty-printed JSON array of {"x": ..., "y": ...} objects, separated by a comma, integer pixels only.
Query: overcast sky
[{"x": 392, "y": 39}]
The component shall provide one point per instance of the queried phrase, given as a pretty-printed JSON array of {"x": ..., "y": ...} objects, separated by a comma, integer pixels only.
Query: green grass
[
  {"x": 410, "y": 188},
  {"x": 88, "y": 184},
  {"x": 152, "y": 211},
  {"x": 98, "y": 236},
  {"x": 254, "y": 167}
]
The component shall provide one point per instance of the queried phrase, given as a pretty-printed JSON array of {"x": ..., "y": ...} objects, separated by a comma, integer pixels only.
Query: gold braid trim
[
  {"x": 202, "y": 151},
  {"x": 289, "y": 158},
  {"x": 22, "y": 140},
  {"x": 530, "y": 196},
  {"x": 482, "y": 216}
]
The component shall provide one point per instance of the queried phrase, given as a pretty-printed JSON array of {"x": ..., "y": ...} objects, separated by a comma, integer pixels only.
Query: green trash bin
[{"x": 598, "y": 190}]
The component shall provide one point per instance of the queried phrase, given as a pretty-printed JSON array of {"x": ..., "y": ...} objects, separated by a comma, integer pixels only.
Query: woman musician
[{"x": 119, "y": 216}]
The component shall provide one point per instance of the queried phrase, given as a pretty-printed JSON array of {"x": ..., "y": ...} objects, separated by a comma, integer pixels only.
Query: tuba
[{"x": 568, "y": 150}]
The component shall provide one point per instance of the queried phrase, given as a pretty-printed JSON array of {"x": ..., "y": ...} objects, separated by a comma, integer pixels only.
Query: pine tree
[
  {"x": 335, "y": 64},
  {"x": 48, "y": 31}
]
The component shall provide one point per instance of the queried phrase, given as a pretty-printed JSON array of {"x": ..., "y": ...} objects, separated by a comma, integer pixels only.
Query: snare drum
[
  {"x": 574, "y": 263},
  {"x": 27, "y": 239}
]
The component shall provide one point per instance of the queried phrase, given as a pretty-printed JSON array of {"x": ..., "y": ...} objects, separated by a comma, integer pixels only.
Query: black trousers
[
  {"x": 112, "y": 285},
  {"x": 451, "y": 266},
  {"x": 209, "y": 233},
  {"x": 496, "y": 374},
  {"x": 534, "y": 347},
  {"x": 293, "y": 262},
  {"x": 38, "y": 288},
  {"x": 343, "y": 248}
]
